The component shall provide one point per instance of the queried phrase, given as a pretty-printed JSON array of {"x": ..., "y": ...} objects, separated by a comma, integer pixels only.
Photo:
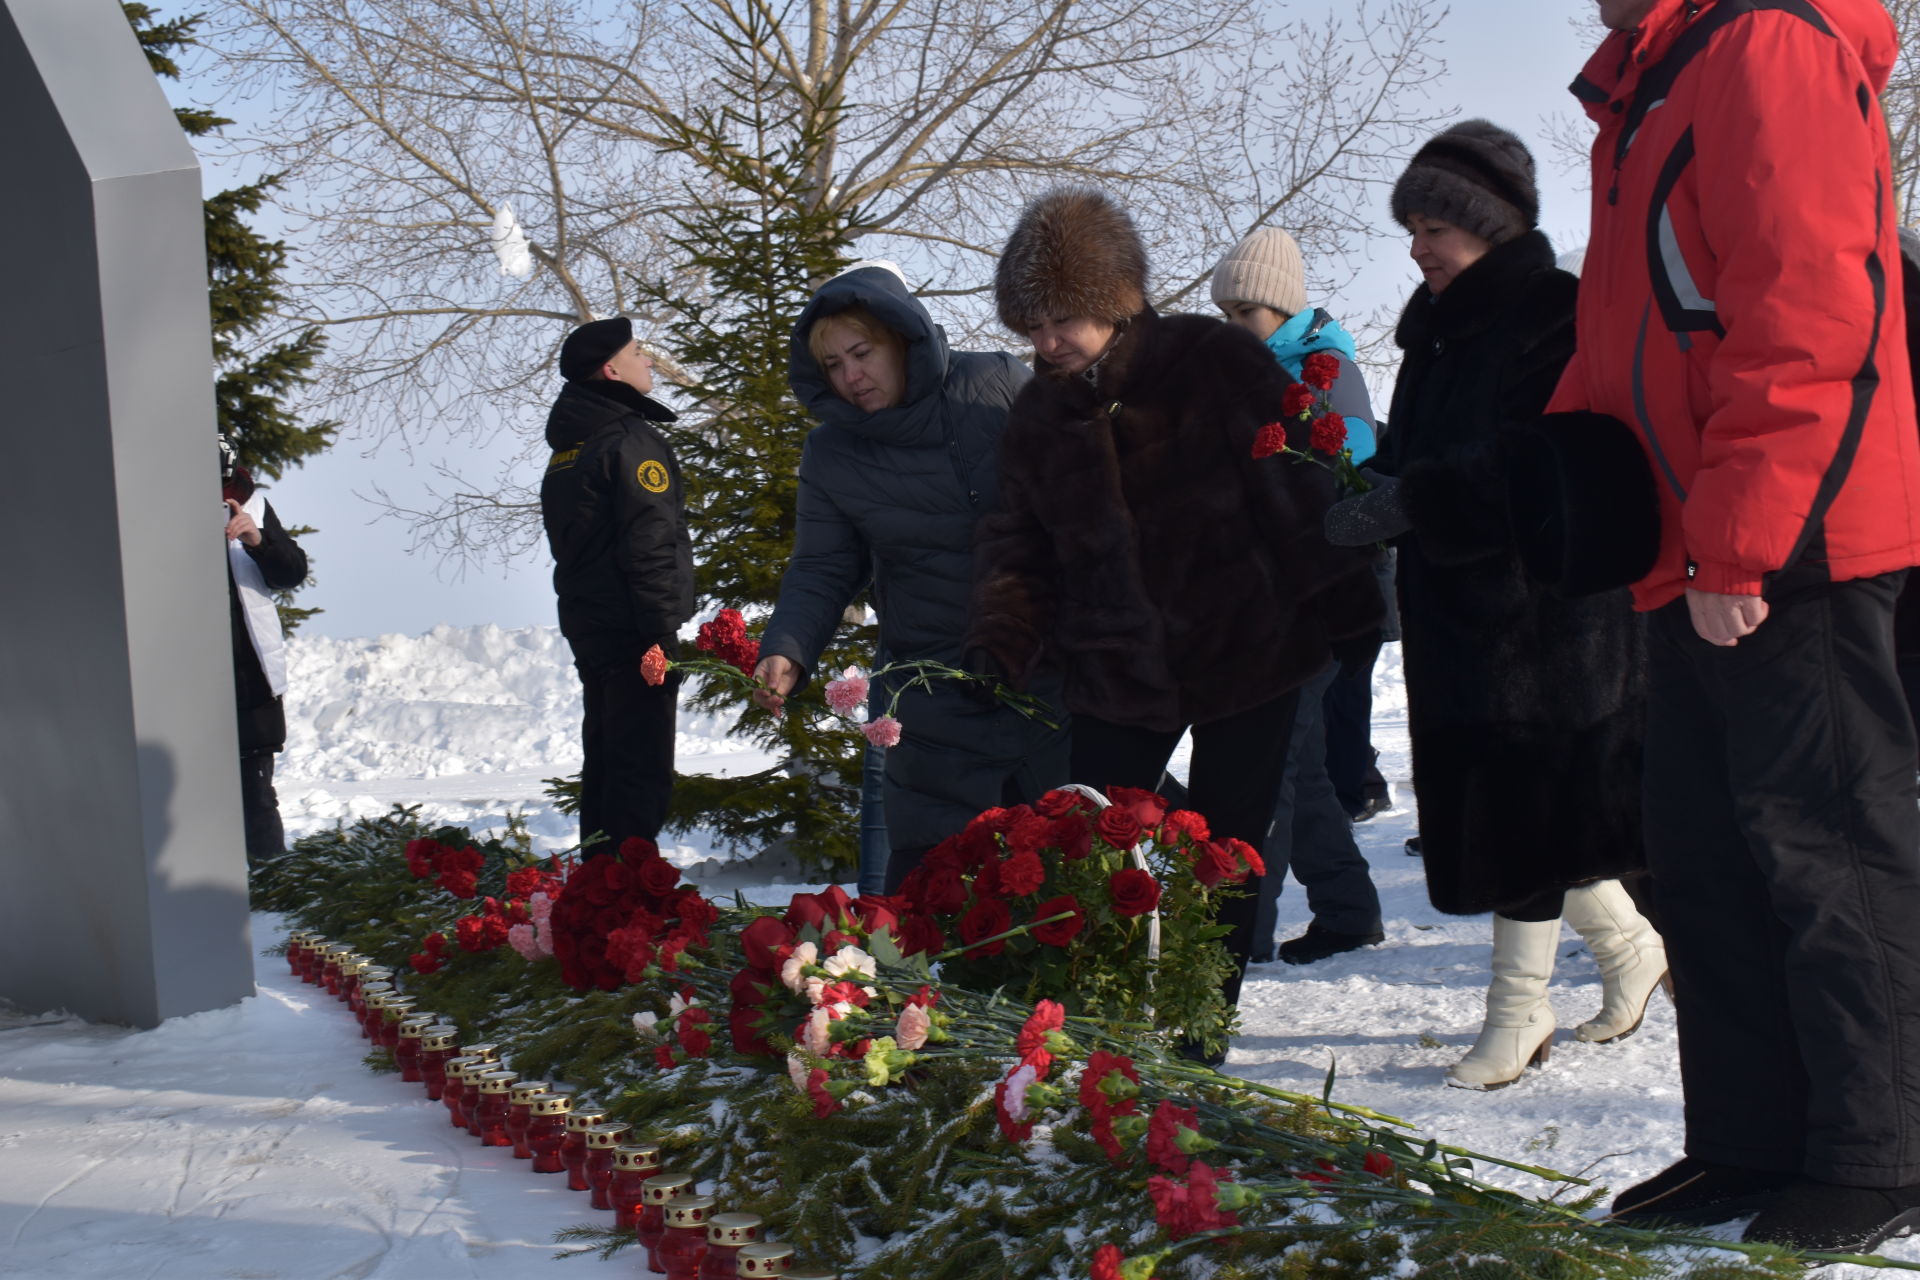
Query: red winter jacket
[{"x": 1740, "y": 304}]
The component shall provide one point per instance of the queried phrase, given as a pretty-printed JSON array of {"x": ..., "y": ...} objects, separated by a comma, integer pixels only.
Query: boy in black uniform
[{"x": 615, "y": 515}]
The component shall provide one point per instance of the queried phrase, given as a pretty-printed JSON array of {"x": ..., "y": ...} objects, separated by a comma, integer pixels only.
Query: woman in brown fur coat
[{"x": 1142, "y": 553}]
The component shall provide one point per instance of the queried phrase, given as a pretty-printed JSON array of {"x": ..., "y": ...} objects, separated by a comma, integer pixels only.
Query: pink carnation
[
  {"x": 884, "y": 732},
  {"x": 849, "y": 693},
  {"x": 541, "y": 906},
  {"x": 520, "y": 936},
  {"x": 913, "y": 1028}
]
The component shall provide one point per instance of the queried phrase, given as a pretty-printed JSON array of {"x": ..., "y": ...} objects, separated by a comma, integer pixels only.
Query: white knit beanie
[{"x": 1265, "y": 268}]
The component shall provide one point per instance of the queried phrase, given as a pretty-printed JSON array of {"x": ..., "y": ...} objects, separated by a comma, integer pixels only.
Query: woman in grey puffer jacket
[{"x": 904, "y": 464}]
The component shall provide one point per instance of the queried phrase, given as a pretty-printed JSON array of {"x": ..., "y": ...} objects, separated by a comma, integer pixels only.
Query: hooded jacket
[
  {"x": 1740, "y": 305},
  {"x": 892, "y": 498},
  {"x": 614, "y": 509},
  {"x": 1311, "y": 331}
]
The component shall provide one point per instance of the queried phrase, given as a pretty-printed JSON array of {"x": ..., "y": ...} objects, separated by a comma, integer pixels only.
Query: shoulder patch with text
[
  {"x": 652, "y": 476},
  {"x": 564, "y": 458}
]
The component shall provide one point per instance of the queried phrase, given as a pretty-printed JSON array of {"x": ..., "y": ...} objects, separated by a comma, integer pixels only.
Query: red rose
[
  {"x": 988, "y": 917},
  {"x": 658, "y": 878},
  {"x": 994, "y": 821},
  {"x": 1215, "y": 864},
  {"x": 831, "y": 908},
  {"x": 1146, "y": 806},
  {"x": 1118, "y": 827},
  {"x": 637, "y": 849},
  {"x": 986, "y": 880},
  {"x": 1329, "y": 434},
  {"x": 920, "y": 935},
  {"x": 1022, "y": 874},
  {"x": 1060, "y": 932},
  {"x": 1320, "y": 370},
  {"x": 941, "y": 892},
  {"x": 1072, "y": 835},
  {"x": 876, "y": 912},
  {"x": 1058, "y": 804},
  {"x": 1298, "y": 401},
  {"x": 1134, "y": 892},
  {"x": 759, "y": 941},
  {"x": 1269, "y": 440},
  {"x": 1184, "y": 822}
]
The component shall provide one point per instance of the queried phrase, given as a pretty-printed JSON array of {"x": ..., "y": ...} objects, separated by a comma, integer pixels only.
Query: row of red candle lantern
[{"x": 543, "y": 1122}]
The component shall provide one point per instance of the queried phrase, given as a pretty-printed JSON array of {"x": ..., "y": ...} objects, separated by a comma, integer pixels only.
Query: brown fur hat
[{"x": 1074, "y": 252}]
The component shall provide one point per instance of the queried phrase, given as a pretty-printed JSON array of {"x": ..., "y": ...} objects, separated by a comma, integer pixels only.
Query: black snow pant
[
  {"x": 627, "y": 735},
  {"x": 1313, "y": 838},
  {"x": 260, "y": 808},
  {"x": 1233, "y": 781},
  {"x": 1784, "y": 843}
]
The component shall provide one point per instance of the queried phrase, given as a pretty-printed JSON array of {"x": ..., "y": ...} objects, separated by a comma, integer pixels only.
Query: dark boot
[
  {"x": 1820, "y": 1217},
  {"x": 1697, "y": 1191},
  {"x": 1317, "y": 944}
]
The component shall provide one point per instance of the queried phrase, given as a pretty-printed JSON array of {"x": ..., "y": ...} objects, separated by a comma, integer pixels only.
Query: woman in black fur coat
[
  {"x": 1143, "y": 554},
  {"x": 1526, "y": 710}
]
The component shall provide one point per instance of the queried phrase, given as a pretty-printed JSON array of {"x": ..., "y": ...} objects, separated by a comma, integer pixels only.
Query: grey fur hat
[
  {"x": 1476, "y": 176},
  {"x": 1074, "y": 252}
]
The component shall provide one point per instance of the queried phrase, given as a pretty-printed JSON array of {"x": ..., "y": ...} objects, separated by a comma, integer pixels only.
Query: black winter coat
[
  {"x": 892, "y": 498},
  {"x": 615, "y": 513},
  {"x": 283, "y": 566},
  {"x": 1145, "y": 554},
  {"x": 1527, "y": 711}
]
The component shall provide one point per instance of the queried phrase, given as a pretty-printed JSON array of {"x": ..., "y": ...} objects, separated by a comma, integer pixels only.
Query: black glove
[
  {"x": 1374, "y": 516},
  {"x": 988, "y": 675}
]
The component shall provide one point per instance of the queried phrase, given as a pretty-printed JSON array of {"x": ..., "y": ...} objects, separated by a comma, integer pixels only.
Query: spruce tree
[
  {"x": 758, "y": 241},
  {"x": 252, "y": 382}
]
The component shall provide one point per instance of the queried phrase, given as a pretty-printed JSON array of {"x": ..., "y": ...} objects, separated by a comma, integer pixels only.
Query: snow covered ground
[{"x": 250, "y": 1144}]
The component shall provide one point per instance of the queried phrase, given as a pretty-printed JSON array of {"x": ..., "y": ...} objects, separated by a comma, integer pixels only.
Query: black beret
[{"x": 588, "y": 348}]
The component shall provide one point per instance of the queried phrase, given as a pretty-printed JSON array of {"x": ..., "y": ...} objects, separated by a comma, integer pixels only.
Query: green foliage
[
  {"x": 755, "y": 244},
  {"x": 254, "y": 378}
]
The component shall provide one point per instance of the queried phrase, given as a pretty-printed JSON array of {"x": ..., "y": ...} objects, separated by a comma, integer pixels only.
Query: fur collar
[{"x": 1478, "y": 296}]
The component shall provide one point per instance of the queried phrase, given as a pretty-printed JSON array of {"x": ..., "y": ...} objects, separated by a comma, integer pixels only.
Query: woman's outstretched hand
[{"x": 778, "y": 675}]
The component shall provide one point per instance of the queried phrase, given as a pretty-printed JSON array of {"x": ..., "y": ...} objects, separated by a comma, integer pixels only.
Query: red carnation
[
  {"x": 424, "y": 962},
  {"x": 1134, "y": 892},
  {"x": 1031, "y": 1044},
  {"x": 1163, "y": 1146},
  {"x": 1184, "y": 822},
  {"x": 1269, "y": 440},
  {"x": 985, "y": 919},
  {"x": 663, "y": 1056},
  {"x": 695, "y": 1040},
  {"x": 653, "y": 666},
  {"x": 1119, "y": 827},
  {"x": 1029, "y": 832},
  {"x": 1298, "y": 401},
  {"x": 471, "y": 933},
  {"x": 461, "y": 884},
  {"x": 1320, "y": 370},
  {"x": 1329, "y": 434},
  {"x": 1247, "y": 854},
  {"x": 1106, "y": 1263},
  {"x": 1378, "y": 1163},
  {"x": 525, "y": 882},
  {"x": 1060, "y": 932},
  {"x": 434, "y": 943},
  {"x": 1072, "y": 835},
  {"x": 421, "y": 855},
  {"x": 824, "y": 1103},
  {"x": 1203, "y": 1198},
  {"x": 1021, "y": 875}
]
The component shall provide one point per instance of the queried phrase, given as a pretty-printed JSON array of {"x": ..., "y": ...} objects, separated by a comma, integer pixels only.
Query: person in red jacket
[{"x": 1740, "y": 310}]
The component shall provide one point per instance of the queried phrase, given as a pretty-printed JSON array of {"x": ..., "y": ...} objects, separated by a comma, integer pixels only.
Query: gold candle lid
[
  {"x": 318, "y": 944},
  {"x": 496, "y": 1081},
  {"x": 690, "y": 1211},
  {"x": 377, "y": 973},
  {"x": 641, "y": 1157},
  {"x": 377, "y": 1000},
  {"x": 524, "y": 1090},
  {"x": 393, "y": 1008},
  {"x": 551, "y": 1104},
  {"x": 663, "y": 1187},
  {"x": 457, "y": 1068},
  {"x": 301, "y": 936},
  {"x": 354, "y": 966},
  {"x": 339, "y": 952},
  {"x": 414, "y": 1026},
  {"x": 585, "y": 1116},
  {"x": 561, "y": 1086},
  {"x": 607, "y": 1136},
  {"x": 734, "y": 1229},
  {"x": 368, "y": 990},
  {"x": 765, "y": 1260},
  {"x": 437, "y": 1039},
  {"x": 491, "y": 1052}
]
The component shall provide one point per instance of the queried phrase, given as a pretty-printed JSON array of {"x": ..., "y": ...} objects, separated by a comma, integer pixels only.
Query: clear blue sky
[{"x": 1509, "y": 62}]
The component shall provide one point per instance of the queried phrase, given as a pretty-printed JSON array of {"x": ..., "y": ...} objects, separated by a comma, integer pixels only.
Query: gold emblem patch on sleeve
[{"x": 652, "y": 476}]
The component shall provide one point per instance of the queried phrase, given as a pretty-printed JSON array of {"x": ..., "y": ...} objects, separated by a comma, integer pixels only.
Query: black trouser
[
  {"x": 1784, "y": 841},
  {"x": 1352, "y": 764},
  {"x": 1313, "y": 838},
  {"x": 626, "y": 778},
  {"x": 902, "y": 862},
  {"x": 260, "y": 808},
  {"x": 1233, "y": 781}
]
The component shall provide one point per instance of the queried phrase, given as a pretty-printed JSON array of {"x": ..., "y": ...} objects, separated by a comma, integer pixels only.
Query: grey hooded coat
[{"x": 891, "y": 498}]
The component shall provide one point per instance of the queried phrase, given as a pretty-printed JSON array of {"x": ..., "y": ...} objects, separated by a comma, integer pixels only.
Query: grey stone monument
[{"x": 123, "y": 893}]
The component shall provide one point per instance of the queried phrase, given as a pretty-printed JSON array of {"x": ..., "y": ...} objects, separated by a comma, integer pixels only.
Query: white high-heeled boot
[
  {"x": 1518, "y": 1032},
  {"x": 1632, "y": 959}
]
